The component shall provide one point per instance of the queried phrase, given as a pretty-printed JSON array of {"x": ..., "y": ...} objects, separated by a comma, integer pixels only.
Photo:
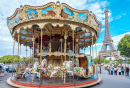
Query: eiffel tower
[{"x": 108, "y": 42}]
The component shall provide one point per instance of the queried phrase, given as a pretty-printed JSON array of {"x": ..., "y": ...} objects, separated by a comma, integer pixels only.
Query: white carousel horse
[
  {"x": 44, "y": 68},
  {"x": 67, "y": 65},
  {"x": 32, "y": 70}
]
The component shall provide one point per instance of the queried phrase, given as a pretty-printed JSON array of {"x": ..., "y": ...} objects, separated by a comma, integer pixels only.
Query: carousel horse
[
  {"x": 67, "y": 65},
  {"x": 32, "y": 69}
]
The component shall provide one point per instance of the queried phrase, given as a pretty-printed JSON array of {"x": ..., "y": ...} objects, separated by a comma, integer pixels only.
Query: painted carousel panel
[
  {"x": 93, "y": 22},
  {"x": 23, "y": 31},
  {"x": 98, "y": 31},
  {"x": 11, "y": 22},
  {"x": 78, "y": 29},
  {"x": 18, "y": 18},
  {"x": 25, "y": 38},
  {"x": 48, "y": 12},
  {"x": 83, "y": 17},
  {"x": 30, "y": 14},
  {"x": 66, "y": 13},
  {"x": 87, "y": 34},
  {"x": 29, "y": 42}
]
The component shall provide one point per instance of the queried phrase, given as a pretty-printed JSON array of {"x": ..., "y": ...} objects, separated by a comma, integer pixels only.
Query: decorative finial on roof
[
  {"x": 58, "y": 3},
  {"x": 21, "y": 7}
]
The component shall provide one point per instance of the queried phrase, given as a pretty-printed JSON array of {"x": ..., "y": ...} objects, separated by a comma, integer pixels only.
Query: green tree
[
  {"x": 103, "y": 60},
  {"x": 9, "y": 58},
  {"x": 120, "y": 61},
  {"x": 128, "y": 61},
  {"x": 117, "y": 63},
  {"x": 124, "y": 46}
]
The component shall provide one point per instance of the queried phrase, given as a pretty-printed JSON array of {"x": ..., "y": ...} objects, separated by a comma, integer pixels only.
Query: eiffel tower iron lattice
[{"x": 112, "y": 52}]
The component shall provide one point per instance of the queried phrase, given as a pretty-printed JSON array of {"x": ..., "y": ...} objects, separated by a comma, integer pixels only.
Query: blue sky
[{"x": 119, "y": 11}]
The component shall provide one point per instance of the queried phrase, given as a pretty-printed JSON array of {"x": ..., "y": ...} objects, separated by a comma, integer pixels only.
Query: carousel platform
[{"x": 55, "y": 82}]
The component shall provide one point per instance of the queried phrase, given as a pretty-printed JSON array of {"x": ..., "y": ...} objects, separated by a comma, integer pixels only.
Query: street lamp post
[
  {"x": 100, "y": 63},
  {"x": 110, "y": 57}
]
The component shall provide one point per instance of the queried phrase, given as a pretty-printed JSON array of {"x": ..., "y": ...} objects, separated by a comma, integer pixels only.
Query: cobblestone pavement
[
  {"x": 3, "y": 83},
  {"x": 112, "y": 81},
  {"x": 108, "y": 81}
]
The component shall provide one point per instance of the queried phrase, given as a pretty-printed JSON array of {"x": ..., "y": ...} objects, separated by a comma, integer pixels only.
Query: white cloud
[
  {"x": 117, "y": 17},
  {"x": 116, "y": 39}
]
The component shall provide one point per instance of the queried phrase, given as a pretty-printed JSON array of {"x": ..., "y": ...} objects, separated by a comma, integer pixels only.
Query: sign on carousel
[{"x": 44, "y": 53}]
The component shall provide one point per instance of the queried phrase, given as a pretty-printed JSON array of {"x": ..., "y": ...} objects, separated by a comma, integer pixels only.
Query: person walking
[
  {"x": 119, "y": 70},
  {"x": 115, "y": 70},
  {"x": 112, "y": 71},
  {"x": 122, "y": 70},
  {"x": 127, "y": 71},
  {"x": 108, "y": 70},
  {"x": 0, "y": 69}
]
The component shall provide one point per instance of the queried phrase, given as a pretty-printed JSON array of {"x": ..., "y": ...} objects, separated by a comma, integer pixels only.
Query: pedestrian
[
  {"x": 112, "y": 71},
  {"x": 127, "y": 71},
  {"x": 119, "y": 70},
  {"x": 115, "y": 70},
  {"x": 86, "y": 68},
  {"x": 122, "y": 70},
  {"x": 0, "y": 69},
  {"x": 108, "y": 70}
]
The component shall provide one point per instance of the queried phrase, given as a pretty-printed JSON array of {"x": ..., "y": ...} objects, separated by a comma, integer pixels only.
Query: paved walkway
[
  {"x": 113, "y": 81},
  {"x": 108, "y": 81}
]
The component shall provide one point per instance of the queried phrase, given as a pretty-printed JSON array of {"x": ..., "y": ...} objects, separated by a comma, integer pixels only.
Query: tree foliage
[
  {"x": 124, "y": 46},
  {"x": 103, "y": 60},
  {"x": 120, "y": 61},
  {"x": 117, "y": 63},
  {"x": 128, "y": 61},
  {"x": 9, "y": 58}
]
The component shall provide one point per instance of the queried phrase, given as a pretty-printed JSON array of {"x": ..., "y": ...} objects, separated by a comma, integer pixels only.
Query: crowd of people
[{"x": 120, "y": 69}]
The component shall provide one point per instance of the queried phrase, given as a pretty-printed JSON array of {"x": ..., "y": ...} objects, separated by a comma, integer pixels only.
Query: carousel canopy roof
[{"x": 54, "y": 19}]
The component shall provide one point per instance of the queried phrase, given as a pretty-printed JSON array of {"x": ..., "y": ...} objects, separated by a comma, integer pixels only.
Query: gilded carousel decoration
[{"x": 55, "y": 32}]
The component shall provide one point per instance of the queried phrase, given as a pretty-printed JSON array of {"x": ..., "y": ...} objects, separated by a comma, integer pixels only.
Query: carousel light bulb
[
  {"x": 61, "y": 40},
  {"x": 77, "y": 40},
  {"x": 33, "y": 39},
  {"x": 65, "y": 37}
]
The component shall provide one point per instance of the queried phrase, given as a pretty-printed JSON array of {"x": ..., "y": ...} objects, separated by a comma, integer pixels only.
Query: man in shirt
[
  {"x": 0, "y": 69},
  {"x": 119, "y": 70},
  {"x": 127, "y": 71},
  {"x": 115, "y": 70}
]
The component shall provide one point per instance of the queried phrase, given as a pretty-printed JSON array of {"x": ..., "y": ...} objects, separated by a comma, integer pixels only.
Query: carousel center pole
[
  {"x": 26, "y": 54},
  {"x": 50, "y": 48},
  {"x": 69, "y": 50},
  {"x": 96, "y": 56},
  {"x": 61, "y": 52},
  {"x": 77, "y": 50},
  {"x": 92, "y": 47},
  {"x": 73, "y": 54},
  {"x": 33, "y": 47},
  {"x": 92, "y": 52},
  {"x": 18, "y": 57},
  {"x": 61, "y": 55},
  {"x": 41, "y": 55},
  {"x": 13, "y": 57},
  {"x": 65, "y": 37},
  {"x": 33, "y": 53}
]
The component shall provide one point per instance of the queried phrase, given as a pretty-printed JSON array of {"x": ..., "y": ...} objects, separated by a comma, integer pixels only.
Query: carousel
[{"x": 55, "y": 33}]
